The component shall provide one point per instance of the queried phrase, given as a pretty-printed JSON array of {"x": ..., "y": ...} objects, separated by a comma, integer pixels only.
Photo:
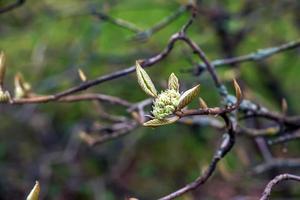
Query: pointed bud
[
  {"x": 34, "y": 194},
  {"x": 145, "y": 81},
  {"x": 135, "y": 115},
  {"x": 160, "y": 122},
  {"x": 87, "y": 138},
  {"x": 188, "y": 96},
  {"x": 82, "y": 76},
  {"x": 202, "y": 103},
  {"x": 2, "y": 68},
  {"x": 284, "y": 106},
  {"x": 4, "y": 96},
  {"x": 173, "y": 83},
  {"x": 238, "y": 91},
  {"x": 22, "y": 88}
]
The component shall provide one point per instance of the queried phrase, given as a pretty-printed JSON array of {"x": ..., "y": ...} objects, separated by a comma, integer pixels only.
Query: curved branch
[
  {"x": 225, "y": 147},
  {"x": 276, "y": 180},
  {"x": 12, "y": 6}
]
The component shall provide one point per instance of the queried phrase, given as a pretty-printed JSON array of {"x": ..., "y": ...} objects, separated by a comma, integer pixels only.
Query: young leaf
[
  {"x": 284, "y": 106},
  {"x": 188, "y": 96},
  {"x": 145, "y": 81},
  {"x": 173, "y": 82},
  {"x": 2, "y": 68},
  {"x": 202, "y": 103},
  {"x": 34, "y": 194},
  {"x": 82, "y": 75},
  {"x": 22, "y": 88},
  {"x": 160, "y": 122},
  {"x": 4, "y": 96},
  {"x": 238, "y": 91}
]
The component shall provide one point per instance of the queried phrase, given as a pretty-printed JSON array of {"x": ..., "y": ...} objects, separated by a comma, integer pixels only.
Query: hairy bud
[{"x": 166, "y": 103}]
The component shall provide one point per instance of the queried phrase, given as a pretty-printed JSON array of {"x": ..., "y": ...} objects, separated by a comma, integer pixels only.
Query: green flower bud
[{"x": 165, "y": 104}]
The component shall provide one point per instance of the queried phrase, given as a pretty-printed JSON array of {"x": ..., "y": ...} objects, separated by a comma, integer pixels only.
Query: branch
[
  {"x": 258, "y": 55},
  {"x": 119, "y": 22},
  {"x": 208, "y": 65},
  {"x": 118, "y": 130},
  {"x": 285, "y": 138},
  {"x": 225, "y": 147},
  {"x": 73, "y": 98},
  {"x": 276, "y": 180},
  {"x": 143, "y": 35},
  {"x": 12, "y": 6},
  {"x": 276, "y": 163}
]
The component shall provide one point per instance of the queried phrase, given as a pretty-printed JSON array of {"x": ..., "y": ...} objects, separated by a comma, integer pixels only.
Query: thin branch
[
  {"x": 122, "y": 130},
  {"x": 276, "y": 180},
  {"x": 225, "y": 147},
  {"x": 258, "y": 55},
  {"x": 270, "y": 131},
  {"x": 12, "y": 6},
  {"x": 276, "y": 163},
  {"x": 90, "y": 83},
  {"x": 119, "y": 22},
  {"x": 284, "y": 138},
  {"x": 143, "y": 35},
  {"x": 73, "y": 98},
  {"x": 147, "y": 63},
  {"x": 209, "y": 66}
]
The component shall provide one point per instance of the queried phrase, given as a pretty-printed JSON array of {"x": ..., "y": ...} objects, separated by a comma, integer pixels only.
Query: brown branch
[
  {"x": 73, "y": 98},
  {"x": 225, "y": 147},
  {"x": 209, "y": 66},
  {"x": 12, "y": 6},
  {"x": 118, "y": 131},
  {"x": 292, "y": 121},
  {"x": 270, "y": 131},
  {"x": 119, "y": 22},
  {"x": 276, "y": 163},
  {"x": 285, "y": 138},
  {"x": 276, "y": 180},
  {"x": 147, "y": 63},
  {"x": 144, "y": 35},
  {"x": 205, "y": 111},
  {"x": 258, "y": 55}
]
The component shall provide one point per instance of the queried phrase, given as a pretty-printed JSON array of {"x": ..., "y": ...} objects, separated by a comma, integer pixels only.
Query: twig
[
  {"x": 119, "y": 22},
  {"x": 270, "y": 131},
  {"x": 12, "y": 6},
  {"x": 284, "y": 138},
  {"x": 276, "y": 180},
  {"x": 147, "y": 63},
  {"x": 276, "y": 163},
  {"x": 226, "y": 145},
  {"x": 258, "y": 55},
  {"x": 142, "y": 35},
  {"x": 127, "y": 127},
  {"x": 209, "y": 66},
  {"x": 73, "y": 98}
]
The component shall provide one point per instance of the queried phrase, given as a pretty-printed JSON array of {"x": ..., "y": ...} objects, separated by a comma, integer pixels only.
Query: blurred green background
[{"x": 49, "y": 40}]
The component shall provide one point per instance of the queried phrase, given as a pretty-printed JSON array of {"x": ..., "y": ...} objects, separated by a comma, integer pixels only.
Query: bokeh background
[{"x": 49, "y": 40}]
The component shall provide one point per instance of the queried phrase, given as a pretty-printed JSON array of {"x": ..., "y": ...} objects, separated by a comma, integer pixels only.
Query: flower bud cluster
[{"x": 166, "y": 103}]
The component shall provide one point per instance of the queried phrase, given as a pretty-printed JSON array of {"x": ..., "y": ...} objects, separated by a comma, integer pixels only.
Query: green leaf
[
  {"x": 188, "y": 96},
  {"x": 145, "y": 81},
  {"x": 82, "y": 75},
  {"x": 160, "y": 122},
  {"x": 34, "y": 194},
  {"x": 202, "y": 103},
  {"x": 173, "y": 82},
  {"x": 2, "y": 68},
  {"x": 238, "y": 91}
]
